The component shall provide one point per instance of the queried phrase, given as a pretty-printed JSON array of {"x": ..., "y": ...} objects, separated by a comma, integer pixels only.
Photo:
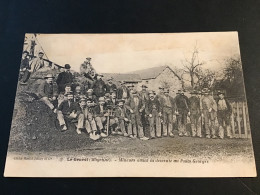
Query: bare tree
[{"x": 191, "y": 66}]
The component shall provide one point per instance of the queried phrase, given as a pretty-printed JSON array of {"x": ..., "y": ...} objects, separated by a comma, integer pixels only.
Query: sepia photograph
[{"x": 131, "y": 105}]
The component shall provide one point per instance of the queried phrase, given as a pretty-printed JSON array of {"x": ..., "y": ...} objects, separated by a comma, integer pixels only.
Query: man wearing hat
[
  {"x": 209, "y": 107},
  {"x": 37, "y": 63},
  {"x": 91, "y": 96},
  {"x": 195, "y": 114},
  {"x": 135, "y": 106},
  {"x": 182, "y": 109},
  {"x": 224, "y": 113},
  {"x": 24, "y": 68},
  {"x": 123, "y": 91},
  {"x": 168, "y": 107},
  {"x": 64, "y": 78},
  {"x": 99, "y": 86},
  {"x": 68, "y": 109},
  {"x": 154, "y": 112},
  {"x": 121, "y": 116},
  {"x": 48, "y": 92},
  {"x": 110, "y": 86}
]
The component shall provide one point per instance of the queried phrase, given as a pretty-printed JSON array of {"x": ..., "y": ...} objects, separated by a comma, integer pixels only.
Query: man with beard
[
  {"x": 153, "y": 110},
  {"x": 91, "y": 96},
  {"x": 110, "y": 86},
  {"x": 99, "y": 86},
  {"x": 48, "y": 92},
  {"x": 168, "y": 107},
  {"x": 182, "y": 107},
  {"x": 135, "y": 105},
  {"x": 121, "y": 117},
  {"x": 67, "y": 109},
  {"x": 64, "y": 78},
  {"x": 78, "y": 93}
]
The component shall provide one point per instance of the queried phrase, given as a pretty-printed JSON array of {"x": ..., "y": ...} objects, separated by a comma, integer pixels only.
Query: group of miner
[{"x": 103, "y": 108}]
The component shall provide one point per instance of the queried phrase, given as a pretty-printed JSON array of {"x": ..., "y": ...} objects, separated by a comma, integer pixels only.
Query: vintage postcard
[{"x": 131, "y": 105}]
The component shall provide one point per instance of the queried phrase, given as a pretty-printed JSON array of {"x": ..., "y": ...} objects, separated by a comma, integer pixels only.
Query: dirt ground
[{"x": 34, "y": 132}]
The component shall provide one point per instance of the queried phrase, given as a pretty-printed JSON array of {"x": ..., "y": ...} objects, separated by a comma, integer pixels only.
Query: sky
[{"x": 121, "y": 53}]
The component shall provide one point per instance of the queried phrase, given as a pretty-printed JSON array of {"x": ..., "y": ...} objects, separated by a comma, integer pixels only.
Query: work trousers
[
  {"x": 224, "y": 122},
  {"x": 155, "y": 124},
  {"x": 135, "y": 127},
  {"x": 209, "y": 119},
  {"x": 195, "y": 121},
  {"x": 167, "y": 120}
]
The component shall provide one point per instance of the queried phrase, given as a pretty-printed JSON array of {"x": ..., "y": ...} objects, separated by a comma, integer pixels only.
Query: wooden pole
[
  {"x": 232, "y": 121},
  {"x": 238, "y": 120},
  {"x": 244, "y": 118}
]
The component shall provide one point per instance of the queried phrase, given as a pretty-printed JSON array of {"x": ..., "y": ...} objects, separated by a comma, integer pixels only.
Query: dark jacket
[
  {"x": 130, "y": 104},
  {"x": 99, "y": 88},
  {"x": 48, "y": 90},
  {"x": 120, "y": 92},
  {"x": 97, "y": 110},
  {"x": 25, "y": 64},
  {"x": 66, "y": 109},
  {"x": 110, "y": 88},
  {"x": 63, "y": 79},
  {"x": 194, "y": 105},
  {"x": 151, "y": 105},
  {"x": 182, "y": 103}
]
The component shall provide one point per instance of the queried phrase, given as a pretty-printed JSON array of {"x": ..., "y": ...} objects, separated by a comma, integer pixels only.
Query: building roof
[
  {"x": 152, "y": 73},
  {"x": 122, "y": 77}
]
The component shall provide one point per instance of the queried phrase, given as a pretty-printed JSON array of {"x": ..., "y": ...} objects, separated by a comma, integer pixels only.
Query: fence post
[
  {"x": 232, "y": 121},
  {"x": 238, "y": 120},
  {"x": 244, "y": 119}
]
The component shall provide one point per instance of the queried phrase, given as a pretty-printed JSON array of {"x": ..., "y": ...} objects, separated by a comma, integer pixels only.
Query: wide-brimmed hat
[
  {"x": 193, "y": 92},
  {"x": 221, "y": 92},
  {"x": 89, "y": 90},
  {"x": 161, "y": 87},
  {"x": 49, "y": 76},
  {"x": 101, "y": 99},
  {"x": 67, "y": 66},
  {"x": 88, "y": 58},
  {"x": 121, "y": 100}
]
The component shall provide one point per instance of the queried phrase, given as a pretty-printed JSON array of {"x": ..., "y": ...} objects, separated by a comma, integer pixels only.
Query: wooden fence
[{"x": 240, "y": 120}]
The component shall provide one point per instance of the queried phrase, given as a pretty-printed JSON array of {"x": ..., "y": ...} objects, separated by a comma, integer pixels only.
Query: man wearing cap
[
  {"x": 194, "y": 102},
  {"x": 99, "y": 86},
  {"x": 224, "y": 113},
  {"x": 110, "y": 86},
  {"x": 121, "y": 116},
  {"x": 48, "y": 92},
  {"x": 67, "y": 109},
  {"x": 135, "y": 105},
  {"x": 182, "y": 108},
  {"x": 153, "y": 111},
  {"x": 24, "y": 68},
  {"x": 37, "y": 63},
  {"x": 123, "y": 91},
  {"x": 209, "y": 107},
  {"x": 64, "y": 78},
  {"x": 168, "y": 107}
]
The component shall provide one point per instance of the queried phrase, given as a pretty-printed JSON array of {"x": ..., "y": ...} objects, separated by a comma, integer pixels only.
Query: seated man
[
  {"x": 91, "y": 96},
  {"x": 86, "y": 119},
  {"x": 122, "y": 117},
  {"x": 48, "y": 92},
  {"x": 77, "y": 94},
  {"x": 67, "y": 109}
]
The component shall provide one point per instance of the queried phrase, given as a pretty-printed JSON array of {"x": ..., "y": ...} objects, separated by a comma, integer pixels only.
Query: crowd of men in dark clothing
[{"x": 103, "y": 109}]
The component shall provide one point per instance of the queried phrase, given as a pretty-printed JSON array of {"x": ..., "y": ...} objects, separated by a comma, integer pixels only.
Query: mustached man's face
[
  {"x": 82, "y": 104},
  {"x": 67, "y": 89},
  {"x": 151, "y": 97},
  {"x": 50, "y": 80},
  {"x": 89, "y": 103},
  {"x": 25, "y": 55},
  {"x": 70, "y": 97},
  {"x": 221, "y": 96},
  {"x": 121, "y": 104},
  {"x": 40, "y": 55}
]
